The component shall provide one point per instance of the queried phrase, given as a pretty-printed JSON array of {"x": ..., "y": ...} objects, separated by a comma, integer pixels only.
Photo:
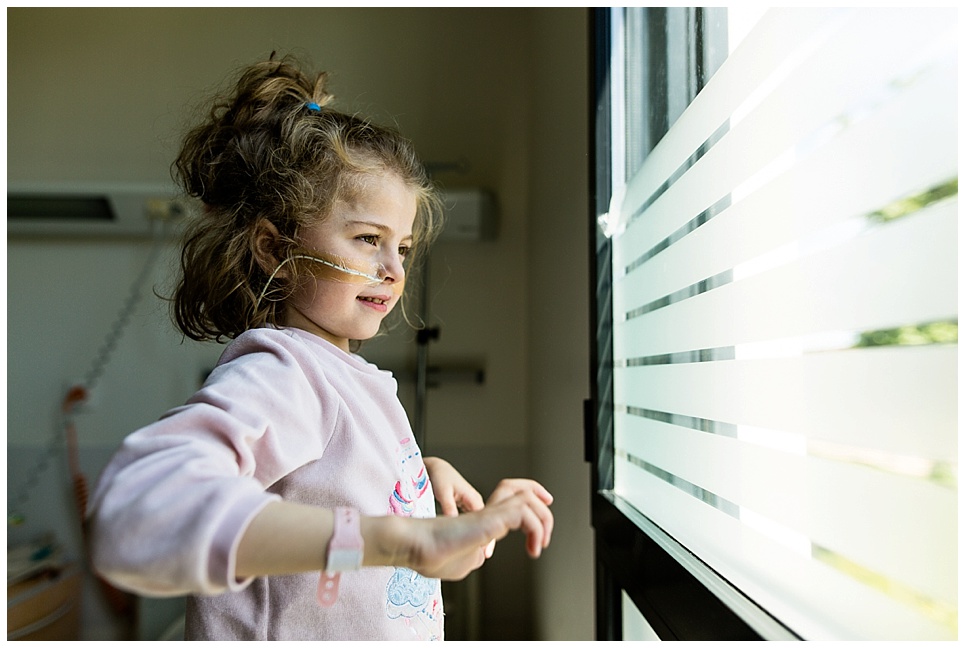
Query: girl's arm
[{"x": 286, "y": 537}]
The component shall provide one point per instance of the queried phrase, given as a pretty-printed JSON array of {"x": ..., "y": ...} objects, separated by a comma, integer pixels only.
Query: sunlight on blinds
[{"x": 786, "y": 325}]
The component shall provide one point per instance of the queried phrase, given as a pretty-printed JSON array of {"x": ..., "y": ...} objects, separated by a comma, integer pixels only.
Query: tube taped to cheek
[{"x": 332, "y": 267}]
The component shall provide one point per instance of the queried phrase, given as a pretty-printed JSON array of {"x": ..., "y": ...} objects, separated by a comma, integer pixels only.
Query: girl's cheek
[{"x": 333, "y": 267}]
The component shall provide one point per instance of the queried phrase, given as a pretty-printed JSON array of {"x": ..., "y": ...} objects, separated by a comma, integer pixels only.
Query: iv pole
[
  {"x": 423, "y": 336},
  {"x": 426, "y": 334}
]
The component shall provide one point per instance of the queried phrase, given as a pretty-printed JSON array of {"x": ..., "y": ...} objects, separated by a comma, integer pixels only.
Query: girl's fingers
[
  {"x": 463, "y": 543},
  {"x": 472, "y": 501},
  {"x": 509, "y": 487},
  {"x": 447, "y": 504},
  {"x": 538, "y": 500},
  {"x": 543, "y": 523},
  {"x": 527, "y": 512},
  {"x": 534, "y": 533}
]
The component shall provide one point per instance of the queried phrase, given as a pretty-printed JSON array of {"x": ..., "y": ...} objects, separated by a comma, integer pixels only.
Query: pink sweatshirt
[{"x": 285, "y": 415}]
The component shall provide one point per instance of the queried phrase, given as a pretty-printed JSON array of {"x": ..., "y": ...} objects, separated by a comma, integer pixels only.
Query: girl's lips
[{"x": 379, "y": 303}]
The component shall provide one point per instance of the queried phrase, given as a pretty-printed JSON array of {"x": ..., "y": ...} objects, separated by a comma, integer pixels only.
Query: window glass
[{"x": 784, "y": 306}]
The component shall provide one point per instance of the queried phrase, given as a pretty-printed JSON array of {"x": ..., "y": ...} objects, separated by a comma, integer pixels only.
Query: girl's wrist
[{"x": 388, "y": 541}]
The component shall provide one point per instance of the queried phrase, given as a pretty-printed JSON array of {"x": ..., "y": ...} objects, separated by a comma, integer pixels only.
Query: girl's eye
[{"x": 375, "y": 239}]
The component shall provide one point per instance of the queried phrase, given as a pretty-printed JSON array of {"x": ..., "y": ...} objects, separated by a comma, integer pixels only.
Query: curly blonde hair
[{"x": 271, "y": 149}]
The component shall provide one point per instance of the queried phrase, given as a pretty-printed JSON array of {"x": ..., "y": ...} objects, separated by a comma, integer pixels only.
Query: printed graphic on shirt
[
  {"x": 413, "y": 485},
  {"x": 416, "y": 601},
  {"x": 411, "y": 598}
]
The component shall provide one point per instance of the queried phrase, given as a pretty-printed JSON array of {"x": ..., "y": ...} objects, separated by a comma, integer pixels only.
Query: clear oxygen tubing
[
  {"x": 340, "y": 265},
  {"x": 332, "y": 267}
]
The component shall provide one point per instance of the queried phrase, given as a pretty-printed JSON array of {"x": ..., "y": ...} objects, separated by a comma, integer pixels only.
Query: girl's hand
[
  {"x": 508, "y": 488},
  {"x": 452, "y": 547},
  {"x": 451, "y": 489}
]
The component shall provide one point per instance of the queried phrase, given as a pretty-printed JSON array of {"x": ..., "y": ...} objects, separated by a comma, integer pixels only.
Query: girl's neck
[{"x": 294, "y": 318}]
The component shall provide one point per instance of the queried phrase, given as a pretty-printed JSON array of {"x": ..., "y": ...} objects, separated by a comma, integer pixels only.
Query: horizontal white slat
[
  {"x": 875, "y": 281},
  {"x": 844, "y": 507},
  {"x": 864, "y": 398},
  {"x": 813, "y": 95},
  {"x": 813, "y": 599},
  {"x": 865, "y": 168},
  {"x": 777, "y": 34}
]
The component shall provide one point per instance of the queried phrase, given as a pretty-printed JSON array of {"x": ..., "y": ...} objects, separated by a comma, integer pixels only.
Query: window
[{"x": 776, "y": 251}]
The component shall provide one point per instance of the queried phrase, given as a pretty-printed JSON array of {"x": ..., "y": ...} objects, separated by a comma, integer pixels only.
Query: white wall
[
  {"x": 559, "y": 319},
  {"x": 102, "y": 95}
]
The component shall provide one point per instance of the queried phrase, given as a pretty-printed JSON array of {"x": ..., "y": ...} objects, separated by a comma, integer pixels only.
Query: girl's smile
[
  {"x": 372, "y": 236},
  {"x": 378, "y": 303}
]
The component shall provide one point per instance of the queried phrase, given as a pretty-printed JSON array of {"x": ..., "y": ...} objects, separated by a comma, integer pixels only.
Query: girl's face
[{"x": 372, "y": 236}]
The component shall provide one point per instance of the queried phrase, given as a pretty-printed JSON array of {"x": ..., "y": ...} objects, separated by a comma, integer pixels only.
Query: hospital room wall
[{"x": 101, "y": 95}]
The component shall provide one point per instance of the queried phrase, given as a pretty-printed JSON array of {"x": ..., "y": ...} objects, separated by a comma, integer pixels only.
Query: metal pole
[{"x": 423, "y": 337}]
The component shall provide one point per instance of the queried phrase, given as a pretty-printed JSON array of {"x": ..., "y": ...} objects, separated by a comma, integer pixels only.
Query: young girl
[{"x": 288, "y": 498}]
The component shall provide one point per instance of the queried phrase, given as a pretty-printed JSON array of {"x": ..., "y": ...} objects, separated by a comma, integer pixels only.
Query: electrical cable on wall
[
  {"x": 43, "y": 555},
  {"x": 121, "y": 602},
  {"x": 78, "y": 394}
]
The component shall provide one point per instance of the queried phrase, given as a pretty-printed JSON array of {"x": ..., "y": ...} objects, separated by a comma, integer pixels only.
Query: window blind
[{"x": 785, "y": 323}]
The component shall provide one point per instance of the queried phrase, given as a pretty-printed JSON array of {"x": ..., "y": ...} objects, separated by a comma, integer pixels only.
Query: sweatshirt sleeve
[{"x": 172, "y": 504}]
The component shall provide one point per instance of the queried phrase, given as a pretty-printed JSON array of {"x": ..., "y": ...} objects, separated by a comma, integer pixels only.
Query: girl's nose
[{"x": 393, "y": 270}]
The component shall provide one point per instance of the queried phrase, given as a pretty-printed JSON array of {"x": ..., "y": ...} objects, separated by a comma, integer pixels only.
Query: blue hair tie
[{"x": 314, "y": 107}]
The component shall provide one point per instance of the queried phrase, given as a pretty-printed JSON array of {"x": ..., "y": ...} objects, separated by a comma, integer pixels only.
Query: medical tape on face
[
  {"x": 335, "y": 268},
  {"x": 332, "y": 267}
]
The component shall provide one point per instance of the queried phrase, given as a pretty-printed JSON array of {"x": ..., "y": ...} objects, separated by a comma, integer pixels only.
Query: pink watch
[{"x": 344, "y": 554}]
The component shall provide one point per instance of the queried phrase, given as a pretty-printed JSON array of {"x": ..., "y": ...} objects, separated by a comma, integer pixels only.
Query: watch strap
[{"x": 344, "y": 553}]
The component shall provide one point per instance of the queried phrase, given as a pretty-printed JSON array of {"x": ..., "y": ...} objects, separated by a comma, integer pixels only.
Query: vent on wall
[
  {"x": 470, "y": 215},
  {"x": 88, "y": 211}
]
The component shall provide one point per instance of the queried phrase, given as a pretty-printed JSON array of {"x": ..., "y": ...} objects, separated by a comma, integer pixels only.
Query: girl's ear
[{"x": 266, "y": 243}]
